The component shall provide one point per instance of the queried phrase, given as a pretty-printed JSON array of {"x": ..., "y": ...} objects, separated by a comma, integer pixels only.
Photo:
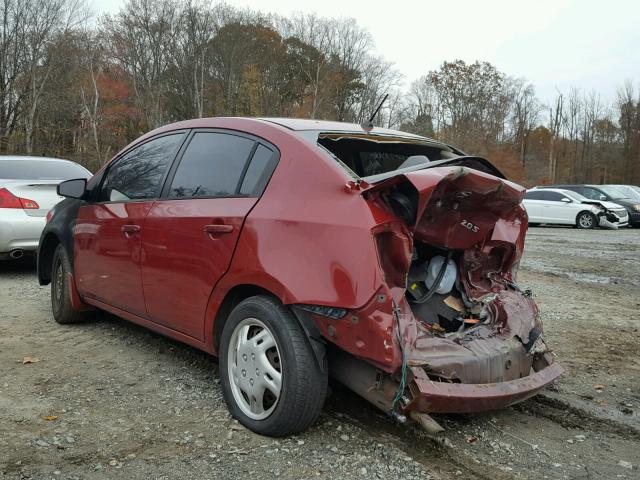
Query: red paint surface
[
  {"x": 107, "y": 259},
  {"x": 181, "y": 262}
]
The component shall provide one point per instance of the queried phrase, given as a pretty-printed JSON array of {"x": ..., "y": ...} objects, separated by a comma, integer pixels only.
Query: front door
[
  {"x": 558, "y": 208},
  {"x": 107, "y": 235},
  {"x": 191, "y": 233}
]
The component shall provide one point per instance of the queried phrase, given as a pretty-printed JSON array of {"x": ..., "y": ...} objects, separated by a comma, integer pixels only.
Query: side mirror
[
  {"x": 72, "y": 188},
  {"x": 566, "y": 200}
]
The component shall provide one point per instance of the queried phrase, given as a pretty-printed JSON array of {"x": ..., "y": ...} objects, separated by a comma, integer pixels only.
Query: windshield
[
  {"x": 628, "y": 191},
  {"x": 612, "y": 192},
  {"x": 27, "y": 169}
]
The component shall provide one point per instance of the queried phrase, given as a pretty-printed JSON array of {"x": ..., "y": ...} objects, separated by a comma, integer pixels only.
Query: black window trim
[
  {"x": 275, "y": 159},
  {"x": 158, "y": 195}
]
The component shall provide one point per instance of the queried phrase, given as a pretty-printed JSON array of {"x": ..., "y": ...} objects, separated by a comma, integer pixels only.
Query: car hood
[
  {"x": 608, "y": 205},
  {"x": 625, "y": 202}
]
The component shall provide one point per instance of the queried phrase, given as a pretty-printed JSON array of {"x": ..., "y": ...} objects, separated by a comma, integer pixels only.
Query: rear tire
[
  {"x": 586, "y": 220},
  {"x": 270, "y": 377},
  {"x": 63, "y": 311}
]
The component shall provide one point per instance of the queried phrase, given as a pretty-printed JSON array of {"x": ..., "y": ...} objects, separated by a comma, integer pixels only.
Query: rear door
[
  {"x": 107, "y": 236},
  {"x": 190, "y": 234}
]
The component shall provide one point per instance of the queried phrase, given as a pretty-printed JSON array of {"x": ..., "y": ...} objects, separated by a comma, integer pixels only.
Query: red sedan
[{"x": 295, "y": 249}]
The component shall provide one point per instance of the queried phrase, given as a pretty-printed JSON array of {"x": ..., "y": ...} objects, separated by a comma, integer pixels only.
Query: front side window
[
  {"x": 211, "y": 166},
  {"x": 139, "y": 173}
]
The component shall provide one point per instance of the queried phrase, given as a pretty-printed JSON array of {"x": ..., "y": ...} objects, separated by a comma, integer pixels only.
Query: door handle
[
  {"x": 217, "y": 229},
  {"x": 128, "y": 230}
]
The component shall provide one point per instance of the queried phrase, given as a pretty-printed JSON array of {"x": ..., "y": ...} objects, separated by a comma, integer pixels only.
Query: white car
[
  {"x": 27, "y": 193},
  {"x": 564, "y": 207}
]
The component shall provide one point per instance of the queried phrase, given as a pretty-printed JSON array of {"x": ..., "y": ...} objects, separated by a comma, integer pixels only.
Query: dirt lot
[{"x": 127, "y": 403}]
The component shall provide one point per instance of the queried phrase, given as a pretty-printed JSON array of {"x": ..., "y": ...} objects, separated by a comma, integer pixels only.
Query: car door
[
  {"x": 557, "y": 209},
  {"x": 107, "y": 235},
  {"x": 190, "y": 234}
]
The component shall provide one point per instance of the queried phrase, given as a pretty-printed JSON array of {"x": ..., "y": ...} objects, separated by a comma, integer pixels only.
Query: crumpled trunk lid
[
  {"x": 453, "y": 207},
  {"x": 479, "y": 216}
]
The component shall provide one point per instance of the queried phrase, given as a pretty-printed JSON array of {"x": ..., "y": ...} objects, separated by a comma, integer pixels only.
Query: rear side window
[
  {"x": 534, "y": 195},
  {"x": 211, "y": 166},
  {"x": 139, "y": 173},
  {"x": 259, "y": 172}
]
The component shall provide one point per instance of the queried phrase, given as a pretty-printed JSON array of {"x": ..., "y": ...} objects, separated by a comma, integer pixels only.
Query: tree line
[{"x": 78, "y": 87}]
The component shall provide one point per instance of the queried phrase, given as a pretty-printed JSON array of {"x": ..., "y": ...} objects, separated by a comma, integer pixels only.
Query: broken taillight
[{"x": 9, "y": 200}]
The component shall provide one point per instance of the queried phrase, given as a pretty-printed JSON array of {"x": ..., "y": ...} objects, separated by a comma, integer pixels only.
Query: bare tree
[
  {"x": 526, "y": 110},
  {"x": 13, "y": 63},
  {"x": 141, "y": 38},
  {"x": 628, "y": 107},
  {"x": 556, "y": 114},
  {"x": 47, "y": 20}
]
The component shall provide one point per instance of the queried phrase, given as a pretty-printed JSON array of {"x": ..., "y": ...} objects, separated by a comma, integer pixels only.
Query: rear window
[
  {"x": 367, "y": 155},
  {"x": 40, "y": 170}
]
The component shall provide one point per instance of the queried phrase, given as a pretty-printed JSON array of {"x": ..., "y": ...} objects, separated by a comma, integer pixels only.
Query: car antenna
[{"x": 368, "y": 125}]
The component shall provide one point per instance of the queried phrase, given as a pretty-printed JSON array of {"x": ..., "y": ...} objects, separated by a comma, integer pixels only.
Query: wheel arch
[
  {"x": 232, "y": 298},
  {"x": 241, "y": 292},
  {"x": 46, "y": 250},
  {"x": 595, "y": 217}
]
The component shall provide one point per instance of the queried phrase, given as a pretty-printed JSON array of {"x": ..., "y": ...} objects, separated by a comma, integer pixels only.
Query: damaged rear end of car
[{"x": 449, "y": 330}]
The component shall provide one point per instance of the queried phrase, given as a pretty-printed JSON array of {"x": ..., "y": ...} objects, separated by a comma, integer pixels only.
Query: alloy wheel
[{"x": 585, "y": 221}]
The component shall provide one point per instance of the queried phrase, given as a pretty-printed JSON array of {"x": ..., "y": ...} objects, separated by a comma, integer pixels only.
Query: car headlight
[{"x": 636, "y": 207}]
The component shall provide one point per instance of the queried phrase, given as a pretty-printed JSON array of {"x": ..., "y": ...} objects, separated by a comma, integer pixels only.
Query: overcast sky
[{"x": 593, "y": 45}]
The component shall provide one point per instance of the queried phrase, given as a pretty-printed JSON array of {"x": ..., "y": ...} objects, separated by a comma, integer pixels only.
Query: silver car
[{"x": 27, "y": 193}]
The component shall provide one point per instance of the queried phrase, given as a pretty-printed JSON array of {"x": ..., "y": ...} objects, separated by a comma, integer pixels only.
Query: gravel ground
[{"x": 107, "y": 399}]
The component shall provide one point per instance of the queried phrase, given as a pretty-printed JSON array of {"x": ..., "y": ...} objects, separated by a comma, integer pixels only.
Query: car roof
[
  {"x": 290, "y": 124},
  {"x": 32, "y": 157},
  {"x": 301, "y": 124},
  {"x": 550, "y": 189}
]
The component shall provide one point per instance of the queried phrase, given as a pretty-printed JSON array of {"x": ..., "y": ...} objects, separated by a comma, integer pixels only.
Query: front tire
[
  {"x": 586, "y": 220},
  {"x": 63, "y": 311},
  {"x": 270, "y": 378}
]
